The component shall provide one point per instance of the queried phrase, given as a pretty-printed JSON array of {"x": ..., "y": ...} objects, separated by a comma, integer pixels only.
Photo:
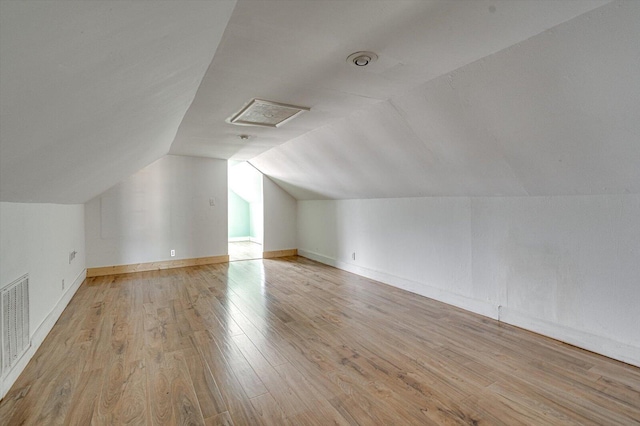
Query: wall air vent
[
  {"x": 263, "y": 113},
  {"x": 14, "y": 322}
]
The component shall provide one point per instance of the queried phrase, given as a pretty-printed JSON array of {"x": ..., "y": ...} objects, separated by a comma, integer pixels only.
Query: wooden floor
[
  {"x": 294, "y": 342},
  {"x": 244, "y": 250}
]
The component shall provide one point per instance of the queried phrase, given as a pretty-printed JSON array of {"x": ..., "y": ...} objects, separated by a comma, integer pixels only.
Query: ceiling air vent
[{"x": 259, "y": 112}]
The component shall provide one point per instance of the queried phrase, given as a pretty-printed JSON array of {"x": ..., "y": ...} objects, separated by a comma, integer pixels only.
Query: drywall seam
[
  {"x": 41, "y": 333},
  {"x": 591, "y": 342}
]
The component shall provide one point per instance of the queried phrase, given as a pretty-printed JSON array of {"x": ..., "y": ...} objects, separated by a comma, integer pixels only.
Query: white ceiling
[
  {"x": 91, "y": 92},
  {"x": 245, "y": 181},
  {"x": 556, "y": 114},
  {"x": 467, "y": 98},
  {"x": 295, "y": 52}
]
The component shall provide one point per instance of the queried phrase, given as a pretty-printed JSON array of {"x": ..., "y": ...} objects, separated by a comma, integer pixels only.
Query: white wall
[
  {"x": 246, "y": 181},
  {"x": 566, "y": 267},
  {"x": 164, "y": 206},
  {"x": 256, "y": 222},
  {"x": 37, "y": 239},
  {"x": 279, "y": 217}
]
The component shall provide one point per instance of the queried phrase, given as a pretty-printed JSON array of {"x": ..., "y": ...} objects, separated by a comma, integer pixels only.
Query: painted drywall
[
  {"x": 238, "y": 216},
  {"x": 165, "y": 206},
  {"x": 553, "y": 115},
  {"x": 93, "y": 91},
  {"x": 566, "y": 267},
  {"x": 36, "y": 239},
  {"x": 296, "y": 51},
  {"x": 256, "y": 222},
  {"x": 280, "y": 217},
  {"x": 245, "y": 181}
]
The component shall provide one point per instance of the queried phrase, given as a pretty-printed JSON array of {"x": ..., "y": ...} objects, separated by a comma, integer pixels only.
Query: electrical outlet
[
  {"x": 63, "y": 284},
  {"x": 353, "y": 255},
  {"x": 173, "y": 253},
  {"x": 212, "y": 201}
]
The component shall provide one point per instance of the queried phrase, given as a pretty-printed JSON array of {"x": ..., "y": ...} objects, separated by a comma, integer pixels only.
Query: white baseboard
[
  {"x": 240, "y": 239},
  {"x": 486, "y": 309},
  {"x": 598, "y": 344},
  {"x": 40, "y": 333},
  {"x": 591, "y": 342}
]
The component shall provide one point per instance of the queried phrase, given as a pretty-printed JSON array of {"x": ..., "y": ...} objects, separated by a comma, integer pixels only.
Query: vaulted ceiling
[
  {"x": 467, "y": 98},
  {"x": 91, "y": 92},
  {"x": 556, "y": 114}
]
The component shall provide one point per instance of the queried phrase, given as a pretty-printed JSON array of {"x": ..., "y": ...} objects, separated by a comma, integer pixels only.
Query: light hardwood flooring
[
  {"x": 290, "y": 341},
  {"x": 244, "y": 250}
]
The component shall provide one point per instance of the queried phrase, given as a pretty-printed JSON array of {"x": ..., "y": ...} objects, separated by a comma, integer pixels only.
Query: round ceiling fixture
[{"x": 362, "y": 59}]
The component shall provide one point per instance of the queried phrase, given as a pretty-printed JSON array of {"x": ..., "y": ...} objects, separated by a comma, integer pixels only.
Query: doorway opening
[{"x": 245, "y": 211}]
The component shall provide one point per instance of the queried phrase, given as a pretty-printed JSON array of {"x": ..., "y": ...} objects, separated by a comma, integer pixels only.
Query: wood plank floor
[{"x": 290, "y": 341}]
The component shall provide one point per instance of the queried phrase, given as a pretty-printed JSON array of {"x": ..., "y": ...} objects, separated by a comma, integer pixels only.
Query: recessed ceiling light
[
  {"x": 259, "y": 112},
  {"x": 362, "y": 59}
]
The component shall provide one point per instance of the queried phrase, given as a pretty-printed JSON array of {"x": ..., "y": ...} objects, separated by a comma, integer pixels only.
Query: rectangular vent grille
[
  {"x": 259, "y": 112},
  {"x": 14, "y": 300}
]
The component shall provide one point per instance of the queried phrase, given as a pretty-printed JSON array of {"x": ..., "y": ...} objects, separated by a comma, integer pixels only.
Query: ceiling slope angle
[
  {"x": 555, "y": 114},
  {"x": 295, "y": 52},
  {"x": 91, "y": 92}
]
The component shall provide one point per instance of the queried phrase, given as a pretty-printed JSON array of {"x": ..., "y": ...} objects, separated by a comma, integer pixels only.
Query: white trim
[
  {"x": 480, "y": 307},
  {"x": 239, "y": 239},
  {"x": 41, "y": 333},
  {"x": 591, "y": 342}
]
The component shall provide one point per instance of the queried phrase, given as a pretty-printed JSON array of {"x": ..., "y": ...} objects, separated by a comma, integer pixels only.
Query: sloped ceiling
[
  {"x": 467, "y": 98},
  {"x": 90, "y": 92},
  {"x": 556, "y": 114},
  {"x": 245, "y": 181},
  {"x": 295, "y": 52}
]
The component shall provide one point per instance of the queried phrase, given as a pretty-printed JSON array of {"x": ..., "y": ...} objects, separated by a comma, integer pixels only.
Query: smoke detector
[
  {"x": 362, "y": 59},
  {"x": 259, "y": 112}
]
